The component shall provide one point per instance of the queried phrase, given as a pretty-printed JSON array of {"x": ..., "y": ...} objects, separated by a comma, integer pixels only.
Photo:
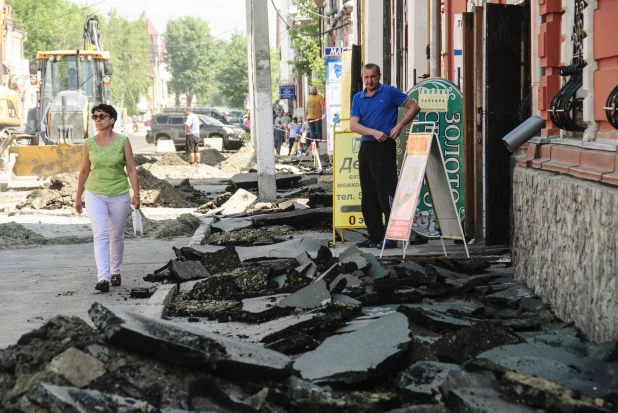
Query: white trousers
[{"x": 108, "y": 215}]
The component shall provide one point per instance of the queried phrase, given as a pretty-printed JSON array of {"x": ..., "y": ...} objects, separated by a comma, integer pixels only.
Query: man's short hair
[
  {"x": 295, "y": 119},
  {"x": 188, "y": 109},
  {"x": 370, "y": 66}
]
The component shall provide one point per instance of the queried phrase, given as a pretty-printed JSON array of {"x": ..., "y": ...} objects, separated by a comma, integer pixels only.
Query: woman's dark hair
[{"x": 109, "y": 109}]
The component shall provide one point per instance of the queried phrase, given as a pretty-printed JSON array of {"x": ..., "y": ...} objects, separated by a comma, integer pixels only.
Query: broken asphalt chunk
[
  {"x": 440, "y": 316},
  {"x": 239, "y": 202},
  {"x": 593, "y": 378},
  {"x": 76, "y": 367},
  {"x": 182, "y": 271},
  {"x": 223, "y": 260},
  {"x": 546, "y": 395},
  {"x": 71, "y": 399},
  {"x": 299, "y": 343},
  {"x": 510, "y": 295},
  {"x": 461, "y": 345},
  {"x": 287, "y": 249},
  {"x": 312, "y": 296},
  {"x": 483, "y": 401},
  {"x": 421, "y": 381},
  {"x": 249, "y": 180},
  {"x": 369, "y": 352},
  {"x": 187, "y": 346},
  {"x": 313, "y": 217},
  {"x": 142, "y": 292}
]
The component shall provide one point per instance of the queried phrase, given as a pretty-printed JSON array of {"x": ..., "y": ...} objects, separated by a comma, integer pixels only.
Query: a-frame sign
[{"x": 423, "y": 160}]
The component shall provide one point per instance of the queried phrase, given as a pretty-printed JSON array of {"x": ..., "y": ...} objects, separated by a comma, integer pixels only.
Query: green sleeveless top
[{"x": 107, "y": 175}]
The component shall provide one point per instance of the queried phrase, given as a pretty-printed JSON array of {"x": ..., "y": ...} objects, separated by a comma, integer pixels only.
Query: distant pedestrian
[
  {"x": 314, "y": 112},
  {"x": 279, "y": 133},
  {"x": 304, "y": 131},
  {"x": 103, "y": 179},
  {"x": 192, "y": 134},
  {"x": 294, "y": 129}
]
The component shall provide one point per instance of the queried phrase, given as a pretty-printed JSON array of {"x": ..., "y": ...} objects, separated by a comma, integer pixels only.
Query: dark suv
[{"x": 172, "y": 126}]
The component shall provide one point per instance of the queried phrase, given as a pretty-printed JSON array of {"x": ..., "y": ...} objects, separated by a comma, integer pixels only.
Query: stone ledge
[{"x": 591, "y": 165}]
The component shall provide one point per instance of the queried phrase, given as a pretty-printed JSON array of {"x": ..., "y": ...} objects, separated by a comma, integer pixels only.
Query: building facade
[{"x": 555, "y": 200}]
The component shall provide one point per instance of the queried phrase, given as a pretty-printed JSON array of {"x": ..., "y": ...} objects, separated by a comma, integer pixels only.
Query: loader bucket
[{"x": 40, "y": 162}]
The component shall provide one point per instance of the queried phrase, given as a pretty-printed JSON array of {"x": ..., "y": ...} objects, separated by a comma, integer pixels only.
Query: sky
[{"x": 223, "y": 16}]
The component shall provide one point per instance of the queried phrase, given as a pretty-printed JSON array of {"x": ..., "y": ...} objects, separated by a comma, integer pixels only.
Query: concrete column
[
  {"x": 373, "y": 14},
  {"x": 252, "y": 113},
  {"x": 436, "y": 39},
  {"x": 417, "y": 39},
  {"x": 262, "y": 100}
]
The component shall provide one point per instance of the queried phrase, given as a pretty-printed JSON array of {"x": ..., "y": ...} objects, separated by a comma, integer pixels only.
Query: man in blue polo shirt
[{"x": 374, "y": 116}]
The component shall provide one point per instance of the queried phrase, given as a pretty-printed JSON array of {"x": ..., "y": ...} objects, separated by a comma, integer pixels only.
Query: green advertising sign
[{"x": 440, "y": 102}]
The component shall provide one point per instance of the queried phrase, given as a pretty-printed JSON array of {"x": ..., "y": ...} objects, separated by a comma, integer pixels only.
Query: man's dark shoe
[
  {"x": 387, "y": 243},
  {"x": 102, "y": 286},
  {"x": 368, "y": 243}
]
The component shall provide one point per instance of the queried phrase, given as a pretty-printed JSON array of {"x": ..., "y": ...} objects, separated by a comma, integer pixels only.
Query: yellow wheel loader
[{"x": 70, "y": 83}]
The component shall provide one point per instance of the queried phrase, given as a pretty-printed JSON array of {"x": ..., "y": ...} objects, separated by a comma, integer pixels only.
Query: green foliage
[
  {"x": 275, "y": 72},
  {"x": 306, "y": 41},
  {"x": 59, "y": 25},
  {"x": 191, "y": 56},
  {"x": 232, "y": 77},
  {"x": 128, "y": 43},
  {"x": 50, "y": 24}
]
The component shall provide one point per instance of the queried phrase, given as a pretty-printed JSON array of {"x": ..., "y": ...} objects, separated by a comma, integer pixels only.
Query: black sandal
[
  {"x": 116, "y": 280},
  {"x": 102, "y": 286}
]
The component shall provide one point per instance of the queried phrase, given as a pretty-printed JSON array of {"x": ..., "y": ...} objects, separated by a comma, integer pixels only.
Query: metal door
[{"x": 504, "y": 26}]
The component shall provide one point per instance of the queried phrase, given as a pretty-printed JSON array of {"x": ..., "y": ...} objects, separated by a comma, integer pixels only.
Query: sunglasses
[{"x": 100, "y": 117}]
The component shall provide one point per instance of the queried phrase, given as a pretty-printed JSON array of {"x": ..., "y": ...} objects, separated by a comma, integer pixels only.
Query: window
[
  {"x": 161, "y": 120},
  {"x": 176, "y": 121}
]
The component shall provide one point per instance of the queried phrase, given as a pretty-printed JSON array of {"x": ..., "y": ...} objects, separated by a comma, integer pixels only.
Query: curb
[
  {"x": 148, "y": 212},
  {"x": 157, "y": 304}
]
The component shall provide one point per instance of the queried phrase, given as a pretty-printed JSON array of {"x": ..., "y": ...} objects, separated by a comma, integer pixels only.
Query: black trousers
[{"x": 377, "y": 164}]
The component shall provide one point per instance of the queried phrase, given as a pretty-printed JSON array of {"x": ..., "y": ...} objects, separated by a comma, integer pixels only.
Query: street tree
[
  {"x": 232, "y": 73},
  {"x": 190, "y": 58},
  {"x": 306, "y": 42},
  {"x": 50, "y": 24},
  {"x": 128, "y": 43}
]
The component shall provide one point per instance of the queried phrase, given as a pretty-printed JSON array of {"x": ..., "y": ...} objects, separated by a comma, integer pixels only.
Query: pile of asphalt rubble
[
  {"x": 287, "y": 327},
  {"x": 266, "y": 319}
]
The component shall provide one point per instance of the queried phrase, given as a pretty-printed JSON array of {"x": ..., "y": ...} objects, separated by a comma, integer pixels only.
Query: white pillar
[
  {"x": 373, "y": 16},
  {"x": 262, "y": 100},
  {"x": 417, "y": 39},
  {"x": 250, "y": 72},
  {"x": 436, "y": 39}
]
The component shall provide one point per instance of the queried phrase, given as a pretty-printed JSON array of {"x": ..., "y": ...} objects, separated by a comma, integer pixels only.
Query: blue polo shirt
[{"x": 378, "y": 111}]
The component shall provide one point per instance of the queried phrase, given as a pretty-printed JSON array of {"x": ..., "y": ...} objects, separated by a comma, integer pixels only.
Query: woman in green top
[{"x": 104, "y": 180}]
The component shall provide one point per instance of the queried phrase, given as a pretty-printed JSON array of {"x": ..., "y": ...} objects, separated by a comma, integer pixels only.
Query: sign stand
[
  {"x": 423, "y": 160},
  {"x": 347, "y": 213}
]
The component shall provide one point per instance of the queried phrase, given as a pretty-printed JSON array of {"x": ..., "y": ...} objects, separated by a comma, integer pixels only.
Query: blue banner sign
[{"x": 287, "y": 92}]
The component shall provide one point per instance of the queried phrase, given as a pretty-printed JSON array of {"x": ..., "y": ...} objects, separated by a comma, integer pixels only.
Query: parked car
[
  {"x": 171, "y": 125},
  {"x": 222, "y": 114}
]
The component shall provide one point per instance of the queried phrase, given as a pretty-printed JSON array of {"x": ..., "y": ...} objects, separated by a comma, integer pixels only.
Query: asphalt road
[{"x": 38, "y": 284}]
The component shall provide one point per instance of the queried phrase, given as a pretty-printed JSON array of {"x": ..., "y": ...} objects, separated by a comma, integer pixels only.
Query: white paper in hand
[{"x": 137, "y": 222}]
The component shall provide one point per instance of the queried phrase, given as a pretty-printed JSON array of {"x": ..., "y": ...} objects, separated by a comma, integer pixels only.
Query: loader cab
[{"x": 81, "y": 72}]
